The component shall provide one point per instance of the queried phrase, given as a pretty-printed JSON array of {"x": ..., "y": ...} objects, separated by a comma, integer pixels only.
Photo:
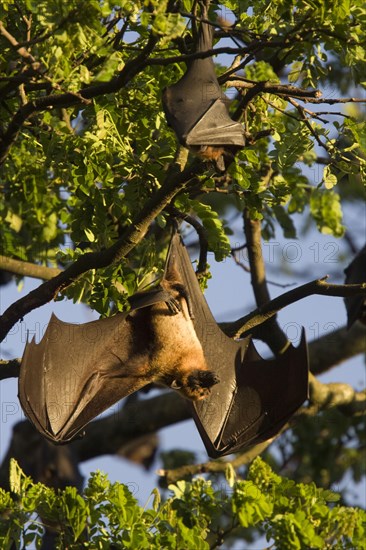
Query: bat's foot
[{"x": 173, "y": 306}]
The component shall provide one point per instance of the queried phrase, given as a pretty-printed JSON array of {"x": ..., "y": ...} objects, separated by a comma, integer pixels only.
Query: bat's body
[
  {"x": 196, "y": 108},
  {"x": 78, "y": 371},
  {"x": 171, "y": 338}
]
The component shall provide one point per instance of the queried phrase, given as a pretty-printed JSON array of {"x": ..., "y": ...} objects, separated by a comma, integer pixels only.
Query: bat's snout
[
  {"x": 200, "y": 383},
  {"x": 207, "y": 379},
  {"x": 197, "y": 385}
]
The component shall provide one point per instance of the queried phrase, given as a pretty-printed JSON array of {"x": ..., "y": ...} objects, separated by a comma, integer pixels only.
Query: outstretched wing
[
  {"x": 75, "y": 373},
  {"x": 78, "y": 371},
  {"x": 254, "y": 397}
]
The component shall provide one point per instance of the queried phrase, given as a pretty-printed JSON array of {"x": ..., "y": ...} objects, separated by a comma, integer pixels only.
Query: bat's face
[
  {"x": 196, "y": 384},
  {"x": 208, "y": 152}
]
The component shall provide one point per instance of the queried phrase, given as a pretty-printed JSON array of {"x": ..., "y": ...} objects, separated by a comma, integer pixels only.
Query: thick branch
[
  {"x": 110, "y": 434},
  {"x": 174, "y": 183},
  {"x": 271, "y": 333},
  {"x": 323, "y": 396},
  {"x": 335, "y": 395},
  {"x": 335, "y": 347},
  {"x": 27, "y": 269}
]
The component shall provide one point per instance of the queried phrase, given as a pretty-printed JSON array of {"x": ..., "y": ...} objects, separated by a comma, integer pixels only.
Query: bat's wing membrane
[
  {"x": 78, "y": 371},
  {"x": 268, "y": 393},
  {"x": 254, "y": 397},
  {"x": 195, "y": 107},
  {"x": 74, "y": 374},
  {"x": 215, "y": 127}
]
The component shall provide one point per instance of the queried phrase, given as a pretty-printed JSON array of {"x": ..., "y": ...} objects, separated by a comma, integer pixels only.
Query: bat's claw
[{"x": 173, "y": 306}]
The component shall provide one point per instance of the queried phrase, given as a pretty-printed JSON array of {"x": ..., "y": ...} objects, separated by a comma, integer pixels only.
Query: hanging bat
[
  {"x": 78, "y": 371},
  {"x": 196, "y": 108},
  {"x": 255, "y": 397},
  {"x": 169, "y": 337},
  {"x": 356, "y": 273}
]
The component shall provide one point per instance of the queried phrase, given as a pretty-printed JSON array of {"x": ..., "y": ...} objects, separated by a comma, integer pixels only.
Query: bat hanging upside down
[
  {"x": 196, "y": 108},
  {"x": 169, "y": 337},
  {"x": 78, "y": 371}
]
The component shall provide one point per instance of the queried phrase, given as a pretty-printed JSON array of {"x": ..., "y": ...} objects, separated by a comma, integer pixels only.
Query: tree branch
[
  {"x": 333, "y": 348},
  {"x": 202, "y": 236},
  {"x": 23, "y": 52},
  {"x": 270, "y": 87},
  {"x": 269, "y": 309},
  {"x": 333, "y": 101},
  {"x": 301, "y": 110},
  {"x": 110, "y": 434},
  {"x": 213, "y": 466},
  {"x": 9, "y": 368},
  {"x": 335, "y": 395},
  {"x": 28, "y": 269},
  {"x": 270, "y": 332}
]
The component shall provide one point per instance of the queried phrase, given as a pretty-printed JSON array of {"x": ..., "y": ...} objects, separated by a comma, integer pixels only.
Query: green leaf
[
  {"x": 326, "y": 210},
  {"x": 16, "y": 476},
  {"x": 157, "y": 499},
  {"x": 330, "y": 179},
  {"x": 75, "y": 510},
  {"x": 230, "y": 474}
]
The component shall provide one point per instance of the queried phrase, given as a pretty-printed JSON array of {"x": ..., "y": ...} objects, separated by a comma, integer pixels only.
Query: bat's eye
[{"x": 175, "y": 385}]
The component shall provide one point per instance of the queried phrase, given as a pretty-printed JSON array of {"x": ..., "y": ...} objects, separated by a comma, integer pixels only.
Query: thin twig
[
  {"x": 303, "y": 116},
  {"x": 28, "y": 57},
  {"x": 333, "y": 101},
  {"x": 270, "y": 87},
  {"x": 202, "y": 236}
]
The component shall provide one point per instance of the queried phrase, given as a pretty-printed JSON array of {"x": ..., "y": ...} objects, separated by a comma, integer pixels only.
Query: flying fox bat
[
  {"x": 254, "y": 397},
  {"x": 239, "y": 399},
  {"x": 356, "y": 273},
  {"x": 196, "y": 108},
  {"x": 78, "y": 371}
]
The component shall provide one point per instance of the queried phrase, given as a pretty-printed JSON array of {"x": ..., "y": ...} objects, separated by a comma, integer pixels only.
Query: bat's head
[
  {"x": 195, "y": 384},
  {"x": 221, "y": 156}
]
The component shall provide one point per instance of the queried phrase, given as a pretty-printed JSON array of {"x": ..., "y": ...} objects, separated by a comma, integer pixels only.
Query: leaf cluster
[{"x": 107, "y": 514}]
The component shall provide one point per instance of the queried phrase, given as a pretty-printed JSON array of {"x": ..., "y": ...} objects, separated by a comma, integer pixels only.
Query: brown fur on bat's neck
[{"x": 175, "y": 355}]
